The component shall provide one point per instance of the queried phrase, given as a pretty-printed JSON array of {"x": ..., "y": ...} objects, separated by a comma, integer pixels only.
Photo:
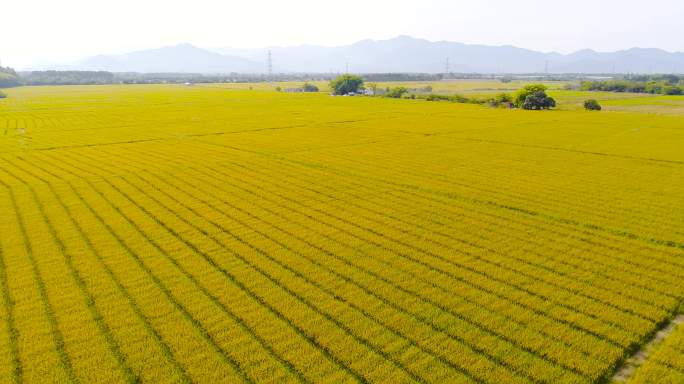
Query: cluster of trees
[
  {"x": 8, "y": 78},
  {"x": 592, "y": 105},
  {"x": 67, "y": 77},
  {"x": 533, "y": 97},
  {"x": 353, "y": 84},
  {"x": 103, "y": 77},
  {"x": 407, "y": 77},
  {"x": 308, "y": 87},
  {"x": 397, "y": 92},
  {"x": 500, "y": 100},
  {"x": 669, "y": 86},
  {"x": 346, "y": 84},
  {"x": 667, "y": 78},
  {"x": 8, "y": 70}
]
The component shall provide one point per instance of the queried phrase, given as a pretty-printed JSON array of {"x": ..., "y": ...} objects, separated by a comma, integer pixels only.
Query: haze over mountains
[{"x": 400, "y": 54}]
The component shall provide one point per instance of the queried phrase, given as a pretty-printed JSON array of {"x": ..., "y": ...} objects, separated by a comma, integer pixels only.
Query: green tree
[
  {"x": 397, "y": 93},
  {"x": 654, "y": 87},
  {"x": 673, "y": 90},
  {"x": 308, "y": 87},
  {"x": 528, "y": 90},
  {"x": 374, "y": 88},
  {"x": 592, "y": 105},
  {"x": 503, "y": 98},
  {"x": 538, "y": 101},
  {"x": 346, "y": 84},
  {"x": 2, "y": 95}
]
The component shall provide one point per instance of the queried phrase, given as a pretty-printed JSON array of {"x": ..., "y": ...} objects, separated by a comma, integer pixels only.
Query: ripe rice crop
[
  {"x": 204, "y": 234},
  {"x": 665, "y": 363}
]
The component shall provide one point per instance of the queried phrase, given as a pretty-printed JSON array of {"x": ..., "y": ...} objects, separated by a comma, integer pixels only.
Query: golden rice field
[
  {"x": 167, "y": 234},
  {"x": 666, "y": 363}
]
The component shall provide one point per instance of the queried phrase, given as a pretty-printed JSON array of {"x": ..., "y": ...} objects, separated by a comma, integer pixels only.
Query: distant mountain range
[
  {"x": 183, "y": 58},
  {"x": 400, "y": 54}
]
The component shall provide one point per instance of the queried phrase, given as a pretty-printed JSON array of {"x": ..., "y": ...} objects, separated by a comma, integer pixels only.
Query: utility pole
[{"x": 270, "y": 66}]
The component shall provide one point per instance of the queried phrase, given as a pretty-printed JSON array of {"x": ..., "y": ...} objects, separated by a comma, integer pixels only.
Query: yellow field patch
[{"x": 164, "y": 233}]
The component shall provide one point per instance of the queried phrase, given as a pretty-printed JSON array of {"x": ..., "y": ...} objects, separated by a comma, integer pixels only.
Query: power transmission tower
[
  {"x": 546, "y": 67},
  {"x": 447, "y": 69},
  {"x": 270, "y": 66},
  {"x": 346, "y": 67}
]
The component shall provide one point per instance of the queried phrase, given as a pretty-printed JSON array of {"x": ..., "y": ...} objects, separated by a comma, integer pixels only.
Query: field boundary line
[{"x": 678, "y": 162}]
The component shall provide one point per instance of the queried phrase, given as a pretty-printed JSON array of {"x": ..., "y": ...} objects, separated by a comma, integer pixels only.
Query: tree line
[
  {"x": 530, "y": 97},
  {"x": 10, "y": 78},
  {"x": 658, "y": 85}
]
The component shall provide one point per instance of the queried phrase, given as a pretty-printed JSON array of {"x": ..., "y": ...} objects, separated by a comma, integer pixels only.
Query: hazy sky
[{"x": 63, "y": 30}]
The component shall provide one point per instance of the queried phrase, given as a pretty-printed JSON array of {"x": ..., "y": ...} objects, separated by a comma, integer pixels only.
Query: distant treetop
[
  {"x": 534, "y": 97},
  {"x": 346, "y": 84}
]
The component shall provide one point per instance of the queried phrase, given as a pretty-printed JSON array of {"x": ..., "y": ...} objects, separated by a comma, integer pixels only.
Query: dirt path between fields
[{"x": 629, "y": 366}]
